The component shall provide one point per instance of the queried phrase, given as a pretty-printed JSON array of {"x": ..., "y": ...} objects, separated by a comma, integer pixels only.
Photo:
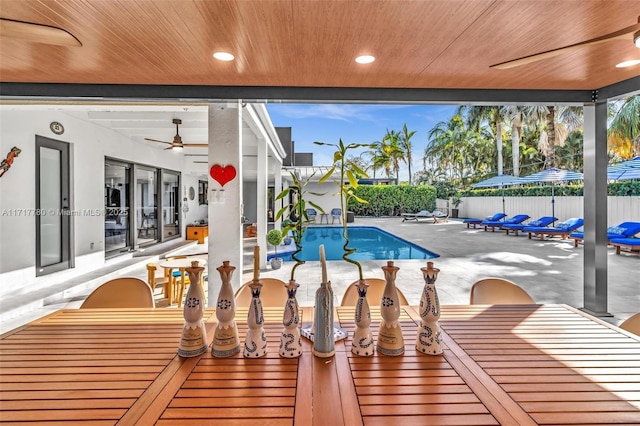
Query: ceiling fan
[
  {"x": 177, "y": 140},
  {"x": 624, "y": 33}
]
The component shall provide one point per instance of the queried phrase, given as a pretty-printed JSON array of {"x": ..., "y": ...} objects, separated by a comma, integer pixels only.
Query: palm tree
[
  {"x": 557, "y": 123},
  {"x": 515, "y": 115},
  {"x": 380, "y": 158},
  {"x": 393, "y": 150},
  {"x": 404, "y": 141},
  {"x": 494, "y": 115},
  {"x": 624, "y": 128}
]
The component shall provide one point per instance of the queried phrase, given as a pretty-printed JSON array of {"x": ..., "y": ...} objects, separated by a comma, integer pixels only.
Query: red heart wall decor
[{"x": 222, "y": 175}]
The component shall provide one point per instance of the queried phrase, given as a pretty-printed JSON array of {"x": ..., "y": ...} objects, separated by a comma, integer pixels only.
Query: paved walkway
[{"x": 551, "y": 271}]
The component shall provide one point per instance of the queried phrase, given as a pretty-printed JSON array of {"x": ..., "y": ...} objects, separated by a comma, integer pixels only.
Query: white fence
[{"x": 620, "y": 209}]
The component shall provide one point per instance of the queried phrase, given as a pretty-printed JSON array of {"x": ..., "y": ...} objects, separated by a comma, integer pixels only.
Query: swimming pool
[{"x": 371, "y": 243}]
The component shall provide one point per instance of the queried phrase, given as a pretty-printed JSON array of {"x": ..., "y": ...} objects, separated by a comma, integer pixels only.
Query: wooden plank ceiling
[{"x": 418, "y": 44}]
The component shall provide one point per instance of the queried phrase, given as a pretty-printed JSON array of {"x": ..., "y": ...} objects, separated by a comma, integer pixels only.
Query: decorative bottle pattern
[
  {"x": 323, "y": 340},
  {"x": 362, "y": 343},
  {"x": 194, "y": 335},
  {"x": 225, "y": 340},
  {"x": 255, "y": 342},
  {"x": 290, "y": 344},
  {"x": 390, "y": 340},
  {"x": 428, "y": 340}
]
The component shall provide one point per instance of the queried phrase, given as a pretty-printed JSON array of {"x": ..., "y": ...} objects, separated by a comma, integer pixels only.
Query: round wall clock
[
  {"x": 192, "y": 193},
  {"x": 56, "y": 128}
]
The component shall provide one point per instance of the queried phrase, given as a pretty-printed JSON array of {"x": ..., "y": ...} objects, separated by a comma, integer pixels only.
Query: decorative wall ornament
[
  {"x": 56, "y": 128},
  {"x": 222, "y": 175},
  {"x": 7, "y": 162}
]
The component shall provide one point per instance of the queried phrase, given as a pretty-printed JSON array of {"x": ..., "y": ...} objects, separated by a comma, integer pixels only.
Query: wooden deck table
[{"x": 509, "y": 365}]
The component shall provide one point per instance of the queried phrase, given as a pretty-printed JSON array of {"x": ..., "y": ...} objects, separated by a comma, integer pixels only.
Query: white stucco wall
[{"x": 90, "y": 144}]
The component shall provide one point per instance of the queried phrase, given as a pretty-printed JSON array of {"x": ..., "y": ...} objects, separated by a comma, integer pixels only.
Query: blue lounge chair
[
  {"x": 311, "y": 215},
  {"x": 624, "y": 230},
  {"x": 544, "y": 221},
  {"x": 493, "y": 224},
  {"x": 475, "y": 222},
  {"x": 562, "y": 229},
  {"x": 631, "y": 245}
]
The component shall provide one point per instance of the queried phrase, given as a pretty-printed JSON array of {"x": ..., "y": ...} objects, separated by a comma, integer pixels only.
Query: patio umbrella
[
  {"x": 552, "y": 175},
  {"x": 501, "y": 181},
  {"x": 625, "y": 171}
]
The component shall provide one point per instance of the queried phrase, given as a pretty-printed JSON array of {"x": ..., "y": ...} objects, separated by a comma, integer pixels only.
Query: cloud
[{"x": 340, "y": 112}]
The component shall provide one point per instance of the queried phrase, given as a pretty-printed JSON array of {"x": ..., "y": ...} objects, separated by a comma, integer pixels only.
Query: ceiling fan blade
[
  {"x": 621, "y": 34},
  {"x": 168, "y": 148},
  {"x": 155, "y": 140},
  {"x": 37, "y": 33},
  {"x": 194, "y": 145}
]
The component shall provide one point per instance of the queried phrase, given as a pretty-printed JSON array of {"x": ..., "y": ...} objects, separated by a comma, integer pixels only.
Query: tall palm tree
[
  {"x": 624, "y": 128},
  {"x": 404, "y": 141},
  {"x": 494, "y": 115},
  {"x": 380, "y": 158},
  {"x": 394, "y": 151},
  {"x": 557, "y": 123},
  {"x": 515, "y": 116}
]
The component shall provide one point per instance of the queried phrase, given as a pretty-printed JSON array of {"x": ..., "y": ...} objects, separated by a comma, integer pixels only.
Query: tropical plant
[
  {"x": 347, "y": 172},
  {"x": 456, "y": 200},
  {"x": 624, "y": 128},
  {"x": 404, "y": 141},
  {"x": 394, "y": 151},
  {"x": 492, "y": 114},
  {"x": 296, "y": 208}
]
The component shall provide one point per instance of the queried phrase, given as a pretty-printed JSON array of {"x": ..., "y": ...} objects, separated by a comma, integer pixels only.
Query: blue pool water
[{"x": 371, "y": 243}]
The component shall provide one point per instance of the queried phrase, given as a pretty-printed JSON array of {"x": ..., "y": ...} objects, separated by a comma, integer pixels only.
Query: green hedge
[
  {"x": 622, "y": 188},
  {"x": 391, "y": 200}
]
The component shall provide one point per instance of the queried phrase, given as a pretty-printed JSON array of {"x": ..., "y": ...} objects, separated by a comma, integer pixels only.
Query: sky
[{"x": 359, "y": 123}]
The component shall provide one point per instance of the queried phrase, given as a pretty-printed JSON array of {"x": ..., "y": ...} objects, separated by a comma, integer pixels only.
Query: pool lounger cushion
[
  {"x": 631, "y": 245},
  {"x": 475, "y": 221}
]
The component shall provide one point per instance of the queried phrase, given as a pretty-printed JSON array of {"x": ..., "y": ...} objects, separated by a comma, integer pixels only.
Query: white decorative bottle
[
  {"x": 194, "y": 335},
  {"x": 323, "y": 340},
  {"x": 255, "y": 342},
  {"x": 390, "y": 339},
  {"x": 362, "y": 343},
  {"x": 428, "y": 339},
  {"x": 290, "y": 344},
  {"x": 225, "y": 340}
]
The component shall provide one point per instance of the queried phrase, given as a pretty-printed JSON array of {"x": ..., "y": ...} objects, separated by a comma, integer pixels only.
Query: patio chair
[
  {"x": 493, "y": 224},
  {"x": 415, "y": 216},
  {"x": 544, "y": 221},
  {"x": 152, "y": 279},
  {"x": 273, "y": 293},
  {"x": 498, "y": 291},
  {"x": 629, "y": 245},
  {"x": 632, "y": 324},
  {"x": 336, "y": 214},
  {"x": 475, "y": 221},
  {"x": 374, "y": 293},
  {"x": 563, "y": 229},
  {"x": 624, "y": 230},
  {"x": 311, "y": 215},
  {"x": 125, "y": 292},
  {"x": 439, "y": 217}
]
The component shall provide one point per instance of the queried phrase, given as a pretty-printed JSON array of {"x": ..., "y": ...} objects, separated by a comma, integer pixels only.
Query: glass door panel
[
  {"x": 170, "y": 205},
  {"x": 147, "y": 205},
  {"x": 117, "y": 235}
]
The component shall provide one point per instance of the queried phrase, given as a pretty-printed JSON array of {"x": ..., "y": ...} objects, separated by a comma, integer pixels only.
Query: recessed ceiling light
[
  {"x": 223, "y": 56},
  {"x": 628, "y": 63},
  {"x": 365, "y": 59}
]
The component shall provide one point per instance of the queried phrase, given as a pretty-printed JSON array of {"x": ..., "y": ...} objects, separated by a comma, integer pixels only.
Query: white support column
[
  {"x": 277, "y": 190},
  {"x": 261, "y": 205},
  {"x": 225, "y": 228},
  {"x": 595, "y": 208}
]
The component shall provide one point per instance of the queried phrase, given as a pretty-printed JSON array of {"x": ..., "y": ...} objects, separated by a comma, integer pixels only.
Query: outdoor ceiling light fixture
[
  {"x": 628, "y": 63},
  {"x": 365, "y": 59},
  {"x": 223, "y": 56}
]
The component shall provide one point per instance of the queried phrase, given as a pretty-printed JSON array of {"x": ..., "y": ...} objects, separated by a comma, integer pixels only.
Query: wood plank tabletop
[{"x": 509, "y": 365}]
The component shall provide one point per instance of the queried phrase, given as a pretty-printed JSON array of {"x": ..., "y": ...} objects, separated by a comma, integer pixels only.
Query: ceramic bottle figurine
[
  {"x": 194, "y": 336},
  {"x": 225, "y": 340},
  {"x": 390, "y": 340},
  {"x": 255, "y": 342},
  {"x": 323, "y": 341},
  {"x": 428, "y": 339},
  {"x": 362, "y": 343},
  {"x": 290, "y": 344}
]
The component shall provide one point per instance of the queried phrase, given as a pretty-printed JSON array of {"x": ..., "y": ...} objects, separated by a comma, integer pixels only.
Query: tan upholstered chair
[
  {"x": 121, "y": 293},
  {"x": 374, "y": 293},
  {"x": 273, "y": 293},
  {"x": 632, "y": 324},
  {"x": 497, "y": 291}
]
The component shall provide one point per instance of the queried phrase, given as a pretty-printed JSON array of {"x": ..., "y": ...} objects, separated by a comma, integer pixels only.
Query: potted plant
[
  {"x": 455, "y": 202},
  {"x": 274, "y": 237},
  {"x": 297, "y": 209},
  {"x": 348, "y": 173}
]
